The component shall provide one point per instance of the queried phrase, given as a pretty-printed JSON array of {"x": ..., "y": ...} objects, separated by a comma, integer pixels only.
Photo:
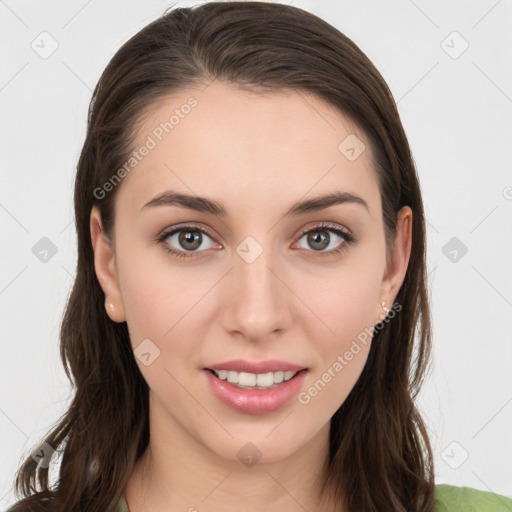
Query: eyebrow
[{"x": 205, "y": 205}]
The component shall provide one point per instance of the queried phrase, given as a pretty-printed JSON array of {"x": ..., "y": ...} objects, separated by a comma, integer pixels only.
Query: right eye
[{"x": 186, "y": 239}]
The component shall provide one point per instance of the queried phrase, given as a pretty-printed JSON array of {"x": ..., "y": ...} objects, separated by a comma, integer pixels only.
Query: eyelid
[
  {"x": 328, "y": 225},
  {"x": 165, "y": 233}
]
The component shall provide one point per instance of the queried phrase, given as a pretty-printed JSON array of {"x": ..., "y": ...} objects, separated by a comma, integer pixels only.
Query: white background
[{"x": 457, "y": 115}]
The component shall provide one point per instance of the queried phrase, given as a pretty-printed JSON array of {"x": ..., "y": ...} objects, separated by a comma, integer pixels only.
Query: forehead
[{"x": 248, "y": 149}]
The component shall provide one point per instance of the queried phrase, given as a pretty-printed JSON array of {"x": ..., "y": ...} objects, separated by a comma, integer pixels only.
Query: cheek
[
  {"x": 342, "y": 354},
  {"x": 156, "y": 310},
  {"x": 344, "y": 310},
  {"x": 342, "y": 303},
  {"x": 148, "y": 314},
  {"x": 148, "y": 292},
  {"x": 163, "y": 301}
]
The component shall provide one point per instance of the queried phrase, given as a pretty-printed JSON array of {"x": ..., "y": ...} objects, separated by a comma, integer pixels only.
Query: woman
[{"x": 251, "y": 274}]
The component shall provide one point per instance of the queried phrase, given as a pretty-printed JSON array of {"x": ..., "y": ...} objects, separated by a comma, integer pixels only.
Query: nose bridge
[{"x": 257, "y": 304}]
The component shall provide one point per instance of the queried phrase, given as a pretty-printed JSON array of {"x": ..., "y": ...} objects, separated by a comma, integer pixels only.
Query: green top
[{"x": 448, "y": 498}]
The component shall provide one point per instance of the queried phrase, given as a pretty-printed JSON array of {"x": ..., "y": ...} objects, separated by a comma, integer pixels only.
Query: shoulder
[
  {"x": 122, "y": 505},
  {"x": 449, "y": 498}
]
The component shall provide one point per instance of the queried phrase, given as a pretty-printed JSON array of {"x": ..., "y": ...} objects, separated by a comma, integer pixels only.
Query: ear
[
  {"x": 105, "y": 268},
  {"x": 396, "y": 263}
]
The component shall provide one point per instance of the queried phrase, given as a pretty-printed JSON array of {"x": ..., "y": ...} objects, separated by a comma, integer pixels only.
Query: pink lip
[
  {"x": 270, "y": 365},
  {"x": 255, "y": 401}
]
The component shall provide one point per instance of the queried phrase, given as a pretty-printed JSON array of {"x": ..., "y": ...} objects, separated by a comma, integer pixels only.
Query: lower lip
[{"x": 255, "y": 401}]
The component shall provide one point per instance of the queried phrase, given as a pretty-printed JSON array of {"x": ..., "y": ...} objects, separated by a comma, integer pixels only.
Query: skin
[{"x": 257, "y": 155}]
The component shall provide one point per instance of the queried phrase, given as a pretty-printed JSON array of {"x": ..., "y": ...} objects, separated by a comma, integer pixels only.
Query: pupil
[
  {"x": 319, "y": 239},
  {"x": 190, "y": 237}
]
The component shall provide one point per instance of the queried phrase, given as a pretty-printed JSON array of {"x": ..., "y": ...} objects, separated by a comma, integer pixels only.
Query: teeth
[{"x": 254, "y": 380}]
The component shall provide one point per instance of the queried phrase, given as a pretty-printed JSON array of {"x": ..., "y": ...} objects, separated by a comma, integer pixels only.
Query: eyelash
[{"x": 347, "y": 237}]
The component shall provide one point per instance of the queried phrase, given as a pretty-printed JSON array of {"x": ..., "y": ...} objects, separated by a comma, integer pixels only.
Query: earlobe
[
  {"x": 396, "y": 265},
  {"x": 105, "y": 268}
]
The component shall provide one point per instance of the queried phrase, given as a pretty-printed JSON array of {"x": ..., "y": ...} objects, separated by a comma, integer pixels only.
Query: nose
[{"x": 256, "y": 301}]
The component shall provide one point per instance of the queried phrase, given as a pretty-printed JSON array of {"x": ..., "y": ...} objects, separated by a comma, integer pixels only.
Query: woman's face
[{"x": 254, "y": 287}]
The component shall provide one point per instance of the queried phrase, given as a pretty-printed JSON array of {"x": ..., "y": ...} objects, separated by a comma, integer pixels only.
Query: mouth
[
  {"x": 255, "y": 381},
  {"x": 245, "y": 394}
]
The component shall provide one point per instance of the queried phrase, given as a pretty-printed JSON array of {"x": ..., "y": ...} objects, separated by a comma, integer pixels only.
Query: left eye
[{"x": 319, "y": 239}]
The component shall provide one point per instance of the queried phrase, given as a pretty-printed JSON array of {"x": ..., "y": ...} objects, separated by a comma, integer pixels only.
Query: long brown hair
[{"x": 379, "y": 448}]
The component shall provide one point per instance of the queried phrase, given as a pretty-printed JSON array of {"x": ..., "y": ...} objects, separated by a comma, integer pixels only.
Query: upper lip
[{"x": 270, "y": 365}]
